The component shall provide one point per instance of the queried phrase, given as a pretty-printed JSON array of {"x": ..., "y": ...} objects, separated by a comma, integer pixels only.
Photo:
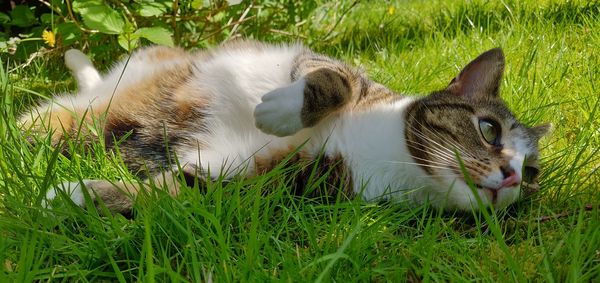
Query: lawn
[{"x": 254, "y": 230}]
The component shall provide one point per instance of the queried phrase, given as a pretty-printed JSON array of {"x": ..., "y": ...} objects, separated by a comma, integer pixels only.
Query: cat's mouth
[{"x": 492, "y": 193}]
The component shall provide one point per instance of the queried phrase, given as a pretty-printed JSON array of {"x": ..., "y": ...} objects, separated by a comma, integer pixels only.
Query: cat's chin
[
  {"x": 461, "y": 197},
  {"x": 499, "y": 198}
]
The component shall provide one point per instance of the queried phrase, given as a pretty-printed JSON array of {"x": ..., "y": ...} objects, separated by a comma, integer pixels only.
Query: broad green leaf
[
  {"x": 158, "y": 35},
  {"x": 129, "y": 42},
  {"x": 151, "y": 9},
  {"x": 4, "y": 18},
  {"x": 219, "y": 17},
  {"x": 22, "y": 16},
  {"x": 59, "y": 4},
  {"x": 97, "y": 15},
  {"x": 47, "y": 18},
  {"x": 197, "y": 4},
  {"x": 79, "y": 5},
  {"x": 68, "y": 33}
]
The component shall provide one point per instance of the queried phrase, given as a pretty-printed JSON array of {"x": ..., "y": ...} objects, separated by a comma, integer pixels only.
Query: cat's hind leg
[
  {"x": 62, "y": 115},
  {"x": 83, "y": 70},
  {"x": 117, "y": 196},
  {"x": 48, "y": 119}
]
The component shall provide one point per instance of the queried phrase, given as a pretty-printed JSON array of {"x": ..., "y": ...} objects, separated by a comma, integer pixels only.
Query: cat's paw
[
  {"x": 76, "y": 60},
  {"x": 279, "y": 113},
  {"x": 71, "y": 189},
  {"x": 82, "y": 68}
]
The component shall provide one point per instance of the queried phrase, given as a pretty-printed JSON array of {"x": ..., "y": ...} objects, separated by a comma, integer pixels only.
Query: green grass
[{"x": 254, "y": 230}]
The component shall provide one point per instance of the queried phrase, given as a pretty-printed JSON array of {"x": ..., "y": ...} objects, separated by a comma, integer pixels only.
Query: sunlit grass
[{"x": 254, "y": 230}]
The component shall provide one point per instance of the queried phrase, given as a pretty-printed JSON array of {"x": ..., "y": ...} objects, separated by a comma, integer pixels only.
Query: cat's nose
[{"x": 511, "y": 178}]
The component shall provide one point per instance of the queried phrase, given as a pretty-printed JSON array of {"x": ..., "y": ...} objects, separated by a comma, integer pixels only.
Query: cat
[{"x": 246, "y": 106}]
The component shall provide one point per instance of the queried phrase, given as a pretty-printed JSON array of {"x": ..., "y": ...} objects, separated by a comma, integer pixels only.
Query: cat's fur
[{"x": 245, "y": 106}]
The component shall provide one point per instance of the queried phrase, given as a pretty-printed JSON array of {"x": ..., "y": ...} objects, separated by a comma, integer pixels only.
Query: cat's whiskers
[
  {"x": 426, "y": 137},
  {"x": 413, "y": 163},
  {"x": 436, "y": 160},
  {"x": 435, "y": 147},
  {"x": 436, "y": 175},
  {"x": 457, "y": 149},
  {"x": 410, "y": 163},
  {"x": 424, "y": 165},
  {"x": 429, "y": 161},
  {"x": 449, "y": 154},
  {"x": 440, "y": 156},
  {"x": 450, "y": 162},
  {"x": 457, "y": 146},
  {"x": 440, "y": 152}
]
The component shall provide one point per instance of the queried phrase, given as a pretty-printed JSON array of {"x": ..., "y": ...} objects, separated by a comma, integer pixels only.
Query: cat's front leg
[{"x": 285, "y": 111}]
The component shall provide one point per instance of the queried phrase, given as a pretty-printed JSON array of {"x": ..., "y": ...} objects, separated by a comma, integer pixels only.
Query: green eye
[{"x": 490, "y": 130}]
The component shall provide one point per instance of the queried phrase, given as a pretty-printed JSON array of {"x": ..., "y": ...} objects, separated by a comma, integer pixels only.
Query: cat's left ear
[
  {"x": 540, "y": 131},
  {"x": 481, "y": 77}
]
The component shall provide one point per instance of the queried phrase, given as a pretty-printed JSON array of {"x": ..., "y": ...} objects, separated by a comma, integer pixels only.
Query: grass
[{"x": 253, "y": 230}]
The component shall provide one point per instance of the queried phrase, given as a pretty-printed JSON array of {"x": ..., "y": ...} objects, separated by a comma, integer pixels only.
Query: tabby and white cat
[{"x": 244, "y": 107}]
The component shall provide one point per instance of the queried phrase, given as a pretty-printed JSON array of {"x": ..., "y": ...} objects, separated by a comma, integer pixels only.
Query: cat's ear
[
  {"x": 540, "y": 131},
  {"x": 481, "y": 77}
]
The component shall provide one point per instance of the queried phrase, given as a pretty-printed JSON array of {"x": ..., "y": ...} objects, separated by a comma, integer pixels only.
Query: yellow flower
[
  {"x": 49, "y": 38},
  {"x": 391, "y": 10}
]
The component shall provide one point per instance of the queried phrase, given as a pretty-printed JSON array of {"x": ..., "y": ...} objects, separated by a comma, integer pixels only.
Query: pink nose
[{"x": 510, "y": 179}]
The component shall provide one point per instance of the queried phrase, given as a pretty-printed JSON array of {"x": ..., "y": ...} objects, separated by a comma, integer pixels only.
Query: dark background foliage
[{"x": 106, "y": 28}]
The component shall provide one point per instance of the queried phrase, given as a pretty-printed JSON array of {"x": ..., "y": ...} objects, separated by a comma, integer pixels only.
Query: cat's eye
[
  {"x": 529, "y": 173},
  {"x": 490, "y": 130}
]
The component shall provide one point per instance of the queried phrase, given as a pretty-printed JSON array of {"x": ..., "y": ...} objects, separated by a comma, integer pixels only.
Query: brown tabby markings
[
  {"x": 331, "y": 85},
  {"x": 372, "y": 93},
  {"x": 326, "y": 91},
  {"x": 445, "y": 116},
  {"x": 145, "y": 119},
  {"x": 155, "y": 115}
]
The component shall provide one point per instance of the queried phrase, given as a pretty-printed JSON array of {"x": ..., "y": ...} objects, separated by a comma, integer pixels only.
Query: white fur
[
  {"x": 236, "y": 81},
  {"x": 71, "y": 189},
  {"x": 279, "y": 112},
  {"x": 82, "y": 68},
  {"x": 374, "y": 147}
]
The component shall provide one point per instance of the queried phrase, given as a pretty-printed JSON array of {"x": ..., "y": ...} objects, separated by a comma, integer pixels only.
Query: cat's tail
[{"x": 83, "y": 70}]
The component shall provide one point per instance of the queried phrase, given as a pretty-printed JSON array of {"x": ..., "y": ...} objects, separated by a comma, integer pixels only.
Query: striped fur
[{"x": 246, "y": 107}]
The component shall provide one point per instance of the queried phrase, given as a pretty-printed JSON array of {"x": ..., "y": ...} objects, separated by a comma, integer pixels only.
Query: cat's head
[{"x": 467, "y": 128}]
